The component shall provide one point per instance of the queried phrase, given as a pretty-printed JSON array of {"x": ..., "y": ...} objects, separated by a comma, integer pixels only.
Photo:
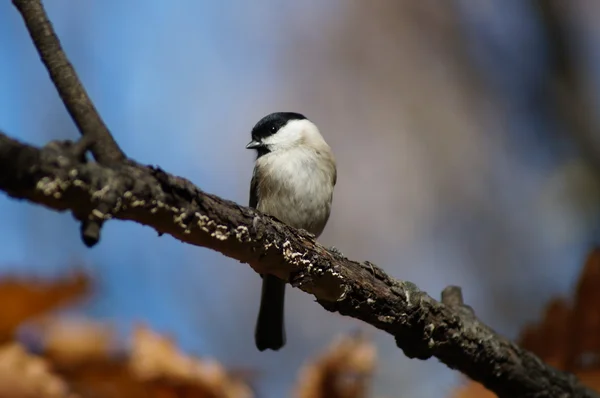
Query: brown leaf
[
  {"x": 344, "y": 370},
  {"x": 73, "y": 342},
  {"x": 156, "y": 359},
  {"x": 84, "y": 353},
  {"x": 22, "y": 299},
  {"x": 585, "y": 320},
  {"x": 23, "y": 375},
  {"x": 568, "y": 337},
  {"x": 590, "y": 378},
  {"x": 550, "y": 339},
  {"x": 107, "y": 379}
]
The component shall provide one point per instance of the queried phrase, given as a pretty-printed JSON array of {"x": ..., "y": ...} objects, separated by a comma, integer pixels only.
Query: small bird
[{"x": 293, "y": 180}]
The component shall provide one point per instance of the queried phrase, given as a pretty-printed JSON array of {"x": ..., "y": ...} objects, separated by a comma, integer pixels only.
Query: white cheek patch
[{"x": 290, "y": 134}]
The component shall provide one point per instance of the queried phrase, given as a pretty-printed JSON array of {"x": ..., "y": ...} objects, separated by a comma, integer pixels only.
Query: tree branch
[
  {"x": 57, "y": 177},
  {"x": 71, "y": 91}
]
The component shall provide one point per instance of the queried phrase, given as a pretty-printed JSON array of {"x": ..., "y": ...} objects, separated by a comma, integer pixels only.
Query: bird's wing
[
  {"x": 334, "y": 175},
  {"x": 254, "y": 190}
]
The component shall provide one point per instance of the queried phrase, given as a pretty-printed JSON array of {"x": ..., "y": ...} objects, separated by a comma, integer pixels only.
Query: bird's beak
[{"x": 253, "y": 144}]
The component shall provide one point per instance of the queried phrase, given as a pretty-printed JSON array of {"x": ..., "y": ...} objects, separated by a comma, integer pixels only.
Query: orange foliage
[
  {"x": 23, "y": 375},
  {"x": 76, "y": 342},
  {"x": 343, "y": 371},
  {"x": 156, "y": 360},
  {"x": 20, "y": 300},
  {"x": 81, "y": 358},
  {"x": 568, "y": 337}
]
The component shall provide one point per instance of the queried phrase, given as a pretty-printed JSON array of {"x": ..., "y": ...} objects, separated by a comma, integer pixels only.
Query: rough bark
[{"x": 59, "y": 177}]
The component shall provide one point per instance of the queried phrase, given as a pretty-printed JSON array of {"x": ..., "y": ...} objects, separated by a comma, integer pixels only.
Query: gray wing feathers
[{"x": 253, "y": 202}]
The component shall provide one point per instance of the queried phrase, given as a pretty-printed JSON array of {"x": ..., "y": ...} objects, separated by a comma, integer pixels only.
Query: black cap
[{"x": 271, "y": 124}]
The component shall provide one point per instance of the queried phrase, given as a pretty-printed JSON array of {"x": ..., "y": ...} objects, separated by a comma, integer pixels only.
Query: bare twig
[
  {"x": 71, "y": 91},
  {"x": 95, "y": 135},
  {"x": 56, "y": 177}
]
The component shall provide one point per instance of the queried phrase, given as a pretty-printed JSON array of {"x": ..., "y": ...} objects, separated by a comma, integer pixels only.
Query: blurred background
[{"x": 466, "y": 135}]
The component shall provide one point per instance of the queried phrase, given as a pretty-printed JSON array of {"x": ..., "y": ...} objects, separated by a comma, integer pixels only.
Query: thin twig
[{"x": 78, "y": 104}]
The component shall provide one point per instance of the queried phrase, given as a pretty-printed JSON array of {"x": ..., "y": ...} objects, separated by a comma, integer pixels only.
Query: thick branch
[
  {"x": 57, "y": 177},
  {"x": 71, "y": 91}
]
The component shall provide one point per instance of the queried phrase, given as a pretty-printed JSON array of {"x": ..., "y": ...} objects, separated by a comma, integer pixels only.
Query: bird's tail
[{"x": 270, "y": 332}]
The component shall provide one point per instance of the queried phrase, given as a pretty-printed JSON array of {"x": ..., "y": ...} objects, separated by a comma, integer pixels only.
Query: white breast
[{"x": 297, "y": 187}]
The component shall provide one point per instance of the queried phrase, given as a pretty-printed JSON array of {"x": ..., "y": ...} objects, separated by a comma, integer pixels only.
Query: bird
[{"x": 293, "y": 180}]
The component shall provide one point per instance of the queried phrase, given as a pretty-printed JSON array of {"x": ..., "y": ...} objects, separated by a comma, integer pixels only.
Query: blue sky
[{"x": 166, "y": 80}]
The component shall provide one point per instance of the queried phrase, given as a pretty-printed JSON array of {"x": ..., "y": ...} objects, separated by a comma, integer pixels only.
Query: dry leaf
[
  {"x": 22, "y": 299},
  {"x": 156, "y": 359},
  {"x": 590, "y": 378},
  {"x": 343, "y": 371},
  {"x": 550, "y": 339},
  {"x": 73, "y": 342},
  {"x": 568, "y": 337},
  {"x": 109, "y": 379},
  {"x": 585, "y": 320},
  {"x": 23, "y": 375},
  {"x": 85, "y": 360}
]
